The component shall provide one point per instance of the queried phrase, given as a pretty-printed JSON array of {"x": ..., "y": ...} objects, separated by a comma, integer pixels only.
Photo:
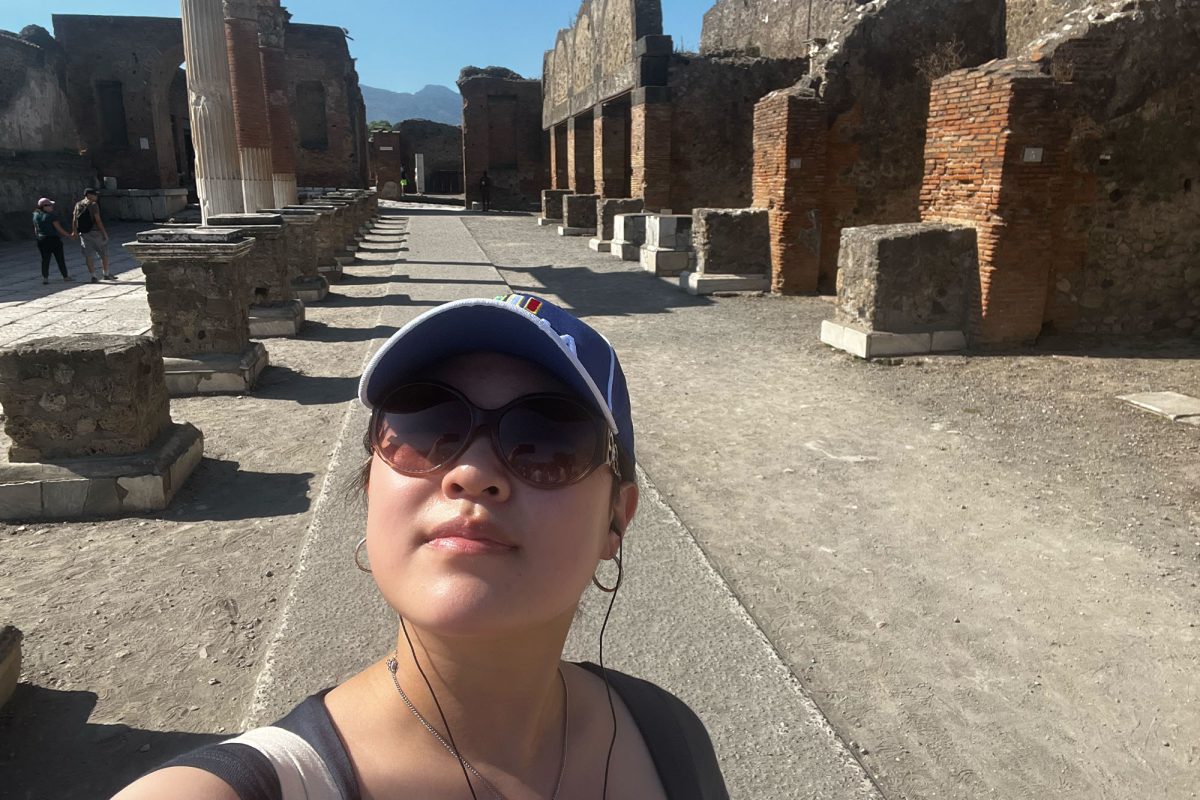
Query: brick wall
[
  {"x": 502, "y": 134},
  {"x": 559, "y": 174},
  {"x": 580, "y": 158},
  {"x": 789, "y": 181},
  {"x": 650, "y": 153},
  {"x": 321, "y": 71},
  {"x": 996, "y": 157},
  {"x": 611, "y": 147}
]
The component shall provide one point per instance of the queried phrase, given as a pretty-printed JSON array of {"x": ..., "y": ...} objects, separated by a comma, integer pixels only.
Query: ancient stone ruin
[{"x": 90, "y": 424}]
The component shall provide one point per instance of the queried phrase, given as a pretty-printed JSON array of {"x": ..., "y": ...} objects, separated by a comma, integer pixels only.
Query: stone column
[
  {"x": 610, "y": 142},
  {"x": 210, "y": 107},
  {"x": 249, "y": 104},
  {"x": 579, "y": 154},
  {"x": 650, "y": 148},
  {"x": 272, "y": 22}
]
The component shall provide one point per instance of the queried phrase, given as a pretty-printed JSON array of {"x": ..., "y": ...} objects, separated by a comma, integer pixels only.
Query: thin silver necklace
[{"x": 393, "y": 665}]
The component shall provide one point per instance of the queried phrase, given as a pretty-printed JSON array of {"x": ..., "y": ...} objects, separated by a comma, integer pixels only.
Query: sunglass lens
[
  {"x": 549, "y": 441},
  {"x": 421, "y": 427}
]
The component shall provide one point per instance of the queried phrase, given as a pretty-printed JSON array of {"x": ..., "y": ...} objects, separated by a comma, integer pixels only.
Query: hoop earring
[
  {"x": 615, "y": 586},
  {"x": 357, "y": 561}
]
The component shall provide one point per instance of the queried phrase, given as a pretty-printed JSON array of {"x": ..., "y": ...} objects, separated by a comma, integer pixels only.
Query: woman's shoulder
[
  {"x": 301, "y": 749},
  {"x": 677, "y": 740}
]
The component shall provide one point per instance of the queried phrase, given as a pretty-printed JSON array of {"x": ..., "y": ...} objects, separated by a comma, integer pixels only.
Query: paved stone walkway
[{"x": 30, "y": 310}]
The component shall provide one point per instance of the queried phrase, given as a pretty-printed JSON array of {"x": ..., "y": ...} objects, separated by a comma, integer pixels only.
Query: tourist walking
[
  {"x": 500, "y": 485},
  {"x": 485, "y": 191},
  {"x": 50, "y": 232},
  {"x": 87, "y": 224}
]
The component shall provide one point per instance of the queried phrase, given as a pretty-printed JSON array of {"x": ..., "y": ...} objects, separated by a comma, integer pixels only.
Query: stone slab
[
  {"x": 332, "y": 273},
  {"x": 1172, "y": 405},
  {"x": 565, "y": 231},
  {"x": 876, "y": 344},
  {"x": 277, "y": 319},
  {"x": 216, "y": 373},
  {"x": 10, "y": 662},
  {"x": 310, "y": 290},
  {"x": 101, "y": 486},
  {"x": 599, "y": 245},
  {"x": 546, "y": 223},
  {"x": 702, "y": 283},
  {"x": 627, "y": 251},
  {"x": 664, "y": 262}
]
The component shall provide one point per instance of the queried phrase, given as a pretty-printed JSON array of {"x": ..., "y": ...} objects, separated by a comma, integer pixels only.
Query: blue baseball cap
[{"x": 519, "y": 325}]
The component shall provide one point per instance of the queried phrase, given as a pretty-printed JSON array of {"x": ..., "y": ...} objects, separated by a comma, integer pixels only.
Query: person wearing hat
[
  {"x": 49, "y": 233},
  {"x": 88, "y": 226},
  {"x": 500, "y": 485}
]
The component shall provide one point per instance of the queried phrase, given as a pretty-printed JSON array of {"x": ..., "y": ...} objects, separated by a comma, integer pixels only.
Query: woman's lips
[{"x": 469, "y": 537}]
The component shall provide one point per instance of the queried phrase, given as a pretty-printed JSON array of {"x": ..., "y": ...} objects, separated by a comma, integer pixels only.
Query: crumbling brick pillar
[
  {"x": 611, "y": 143},
  {"x": 996, "y": 157},
  {"x": 210, "y": 108},
  {"x": 789, "y": 181},
  {"x": 272, "y": 22},
  {"x": 249, "y": 104},
  {"x": 579, "y": 154},
  {"x": 560, "y": 174},
  {"x": 650, "y": 147}
]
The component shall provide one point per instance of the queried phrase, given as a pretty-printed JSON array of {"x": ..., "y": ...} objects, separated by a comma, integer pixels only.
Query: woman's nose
[{"x": 478, "y": 473}]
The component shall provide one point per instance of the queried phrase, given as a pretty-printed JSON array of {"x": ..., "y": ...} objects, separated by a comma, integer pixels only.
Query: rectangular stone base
[
  {"x": 10, "y": 662},
  {"x": 874, "y": 344},
  {"x": 709, "y": 283},
  {"x": 332, "y": 273},
  {"x": 277, "y": 319},
  {"x": 600, "y": 245},
  {"x": 310, "y": 290},
  {"x": 545, "y": 223},
  {"x": 664, "y": 262},
  {"x": 563, "y": 230},
  {"x": 101, "y": 486},
  {"x": 344, "y": 260},
  {"x": 216, "y": 373},
  {"x": 626, "y": 251}
]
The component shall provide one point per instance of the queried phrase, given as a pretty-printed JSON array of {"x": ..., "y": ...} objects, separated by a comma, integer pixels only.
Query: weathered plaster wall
[
  {"x": 712, "y": 125},
  {"x": 502, "y": 134},
  {"x": 320, "y": 71},
  {"x": 773, "y": 28},
  {"x": 595, "y": 59}
]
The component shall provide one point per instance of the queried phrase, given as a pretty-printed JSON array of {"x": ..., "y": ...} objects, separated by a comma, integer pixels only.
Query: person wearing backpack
[
  {"x": 93, "y": 236},
  {"x": 49, "y": 232}
]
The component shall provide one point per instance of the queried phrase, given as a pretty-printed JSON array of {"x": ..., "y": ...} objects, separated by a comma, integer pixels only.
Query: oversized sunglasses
[{"x": 546, "y": 440}]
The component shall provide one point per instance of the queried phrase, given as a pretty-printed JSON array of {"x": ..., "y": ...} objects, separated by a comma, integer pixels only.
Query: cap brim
[{"x": 476, "y": 325}]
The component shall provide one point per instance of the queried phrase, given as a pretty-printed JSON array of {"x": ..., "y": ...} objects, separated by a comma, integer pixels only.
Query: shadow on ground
[
  {"x": 220, "y": 490},
  {"x": 48, "y": 749},
  {"x": 610, "y": 294}
]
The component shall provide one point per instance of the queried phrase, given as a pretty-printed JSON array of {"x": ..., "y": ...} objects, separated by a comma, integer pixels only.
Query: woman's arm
[
  {"x": 58, "y": 227},
  {"x": 178, "y": 783}
]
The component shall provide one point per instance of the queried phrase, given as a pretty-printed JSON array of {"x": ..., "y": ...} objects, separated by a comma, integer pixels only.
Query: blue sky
[{"x": 403, "y": 45}]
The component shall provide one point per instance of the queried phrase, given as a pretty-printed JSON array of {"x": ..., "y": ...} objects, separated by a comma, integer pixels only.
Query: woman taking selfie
[{"x": 499, "y": 488}]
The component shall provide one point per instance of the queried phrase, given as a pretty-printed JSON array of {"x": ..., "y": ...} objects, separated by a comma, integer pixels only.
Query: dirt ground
[{"x": 143, "y": 636}]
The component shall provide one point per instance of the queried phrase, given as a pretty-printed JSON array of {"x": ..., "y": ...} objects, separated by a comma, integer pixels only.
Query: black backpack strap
[{"x": 678, "y": 741}]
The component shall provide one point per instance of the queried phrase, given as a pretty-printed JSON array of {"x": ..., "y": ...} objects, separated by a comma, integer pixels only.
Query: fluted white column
[
  {"x": 249, "y": 104},
  {"x": 210, "y": 107}
]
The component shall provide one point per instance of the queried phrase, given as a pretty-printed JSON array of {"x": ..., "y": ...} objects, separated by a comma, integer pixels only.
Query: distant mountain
[{"x": 437, "y": 103}]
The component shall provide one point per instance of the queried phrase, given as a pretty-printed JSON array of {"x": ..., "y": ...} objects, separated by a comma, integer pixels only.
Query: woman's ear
[{"x": 625, "y": 503}]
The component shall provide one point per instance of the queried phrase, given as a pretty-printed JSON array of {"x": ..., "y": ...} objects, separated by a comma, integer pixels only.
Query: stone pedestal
[
  {"x": 732, "y": 249},
  {"x": 301, "y": 250},
  {"x": 10, "y": 662},
  {"x": 274, "y": 308},
  {"x": 199, "y": 309},
  {"x": 552, "y": 206},
  {"x": 667, "y": 250},
  {"x": 210, "y": 107},
  {"x": 629, "y": 234},
  {"x": 328, "y": 233},
  {"x": 579, "y": 215},
  {"x": 607, "y": 210},
  {"x": 904, "y": 289},
  {"x": 90, "y": 423}
]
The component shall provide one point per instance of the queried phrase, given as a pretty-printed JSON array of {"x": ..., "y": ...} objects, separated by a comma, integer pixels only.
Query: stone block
[
  {"x": 310, "y": 290},
  {"x": 669, "y": 232},
  {"x": 876, "y": 344},
  {"x": 732, "y": 241},
  {"x": 599, "y": 245},
  {"x": 607, "y": 210},
  {"x": 10, "y": 662},
  {"x": 216, "y": 373},
  {"x": 266, "y": 274},
  {"x": 579, "y": 211},
  {"x": 276, "y": 319},
  {"x": 703, "y": 283},
  {"x": 664, "y": 262},
  {"x": 543, "y": 222},
  {"x": 195, "y": 288},
  {"x": 102, "y": 486},
  {"x": 911, "y": 278},
  {"x": 301, "y": 240},
  {"x": 82, "y": 395},
  {"x": 565, "y": 231},
  {"x": 552, "y": 204}
]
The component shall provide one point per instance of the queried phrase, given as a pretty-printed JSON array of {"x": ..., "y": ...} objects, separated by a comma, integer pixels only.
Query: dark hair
[{"x": 90, "y": 190}]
